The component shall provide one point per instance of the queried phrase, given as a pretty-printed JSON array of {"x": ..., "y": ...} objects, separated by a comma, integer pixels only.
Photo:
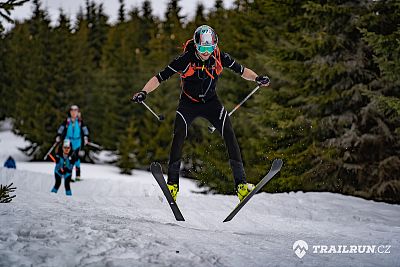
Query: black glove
[
  {"x": 139, "y": 97},
  {"x": 262, "y": 80}
]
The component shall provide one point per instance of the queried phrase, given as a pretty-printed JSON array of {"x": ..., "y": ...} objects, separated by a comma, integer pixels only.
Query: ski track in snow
[{"x": 123, "y": 220}]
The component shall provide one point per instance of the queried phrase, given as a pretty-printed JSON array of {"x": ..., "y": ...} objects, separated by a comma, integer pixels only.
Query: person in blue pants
[
  {"x": 77, "y": 132},
  {"x": 65, "y": 160}
]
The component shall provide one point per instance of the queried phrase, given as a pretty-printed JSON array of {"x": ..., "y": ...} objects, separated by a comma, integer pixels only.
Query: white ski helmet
[
  {"x": 67, "y": 143},
  {"x": 205, "y": 39},
  {"x": 74, "y": 107}
]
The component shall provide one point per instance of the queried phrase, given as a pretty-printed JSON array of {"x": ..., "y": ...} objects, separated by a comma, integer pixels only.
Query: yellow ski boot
[
  {"x": 173, "y": 189},
  {"x": 243, "y": 190}
]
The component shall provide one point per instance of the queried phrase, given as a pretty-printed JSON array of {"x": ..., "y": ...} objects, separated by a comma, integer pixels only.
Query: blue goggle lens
[{"x": 204, "y": 49}]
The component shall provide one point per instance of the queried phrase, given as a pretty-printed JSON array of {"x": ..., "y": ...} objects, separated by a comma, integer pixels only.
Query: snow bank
[{"x": 10, "y": 143}]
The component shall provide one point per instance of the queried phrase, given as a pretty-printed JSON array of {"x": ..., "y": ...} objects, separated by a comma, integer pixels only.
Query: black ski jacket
[{"x": 199, "y": 78}]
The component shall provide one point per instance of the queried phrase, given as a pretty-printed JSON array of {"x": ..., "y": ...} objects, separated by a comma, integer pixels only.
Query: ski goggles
[{"x": 205, "y": 48}]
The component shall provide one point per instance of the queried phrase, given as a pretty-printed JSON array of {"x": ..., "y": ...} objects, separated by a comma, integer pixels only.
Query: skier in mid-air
[
  {"x": 77, "y": 132},
  {"x": 199, "y": 67}
]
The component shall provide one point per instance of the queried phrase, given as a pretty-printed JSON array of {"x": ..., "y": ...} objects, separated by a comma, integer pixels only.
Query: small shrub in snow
[{"x": 5, "y": 192}]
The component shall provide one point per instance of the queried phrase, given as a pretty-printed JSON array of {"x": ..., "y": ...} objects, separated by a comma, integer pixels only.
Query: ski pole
[
  {"x": 50, "y": 150},
  {"x": 159, "y": 117},
  {"x": 52, "y": 158},
  {"x": 99, "y": 147},
  {"x": 211, "y": 128}
]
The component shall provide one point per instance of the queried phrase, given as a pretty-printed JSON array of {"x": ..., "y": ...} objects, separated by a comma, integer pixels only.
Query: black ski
[
  {"x": 276, "y": 167},
  {"x": 156, "y": 170}
]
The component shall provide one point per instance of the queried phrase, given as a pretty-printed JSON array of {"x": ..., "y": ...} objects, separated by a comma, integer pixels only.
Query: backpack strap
[
  {"x": 218, "y": 64},
  {"x": 185, "y": 46}
]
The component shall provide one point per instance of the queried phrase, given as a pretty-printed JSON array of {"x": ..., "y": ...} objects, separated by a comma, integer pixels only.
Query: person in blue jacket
[
  {"x": 77, "y": 132},
  {"x": 65, "y": 160}
]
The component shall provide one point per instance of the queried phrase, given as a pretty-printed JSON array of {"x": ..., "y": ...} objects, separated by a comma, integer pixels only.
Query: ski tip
[
  {"x": 277, "y": 164},
  {"x": 226, "y": 220},
  {"x": 155, "y": 165}
]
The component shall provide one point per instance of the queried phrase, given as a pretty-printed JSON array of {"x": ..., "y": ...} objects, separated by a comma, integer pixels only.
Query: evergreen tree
[
  {"x": 35, "y": 111},
  {"x": 97, "y": 23},
  {"x": 173, "y": 28},
  {"x": 148, "y": 25},
  {"x": 8, "y": 96},
  {"x": 127, "y": 146},
  {"x": 147, "y": 10},
  {"x": 323, "y": 55},
  {"x": 121, "y": 11},
  {"x": 380, "y": 123},
  {"x": 219, "y": 4},
  {"x": 199, "y": 18}
]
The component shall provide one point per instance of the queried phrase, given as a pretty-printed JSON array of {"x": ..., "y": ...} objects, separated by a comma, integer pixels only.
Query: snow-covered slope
[{"x": 121, "y": 220}]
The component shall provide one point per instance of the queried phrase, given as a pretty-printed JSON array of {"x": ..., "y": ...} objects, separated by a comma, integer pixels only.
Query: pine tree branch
[
  {"x": 8, "y": 6},
  {"x": 12, "y": 3},
  {"x": 7, "y": 18},
  {"x": 5, "y": 193}
]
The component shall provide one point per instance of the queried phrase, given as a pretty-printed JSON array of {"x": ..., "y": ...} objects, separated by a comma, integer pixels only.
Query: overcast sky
[{"x": 71, "y": 7}]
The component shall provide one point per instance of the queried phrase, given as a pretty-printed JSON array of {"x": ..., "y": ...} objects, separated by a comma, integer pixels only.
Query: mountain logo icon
[{"x": 300, "y": 248}]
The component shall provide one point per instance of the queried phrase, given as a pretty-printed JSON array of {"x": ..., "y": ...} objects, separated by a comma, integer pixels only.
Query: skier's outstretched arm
[
  {"x": 176, "y": 66},
  {"x": 250, "y": 75},
  {"x": 246, "y": 73},
  {"x": 151, "y": 85}
]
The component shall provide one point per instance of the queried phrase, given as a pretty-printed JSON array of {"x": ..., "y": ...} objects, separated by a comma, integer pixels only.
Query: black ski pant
[
  {"x": 77, "y": 162},
  {"x": 66, "y": 182},
  {"x": 218, "y": 116}
]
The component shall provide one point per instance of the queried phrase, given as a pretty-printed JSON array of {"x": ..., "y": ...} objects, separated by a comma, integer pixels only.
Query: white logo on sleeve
[{"x": 300, "y": 248}]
